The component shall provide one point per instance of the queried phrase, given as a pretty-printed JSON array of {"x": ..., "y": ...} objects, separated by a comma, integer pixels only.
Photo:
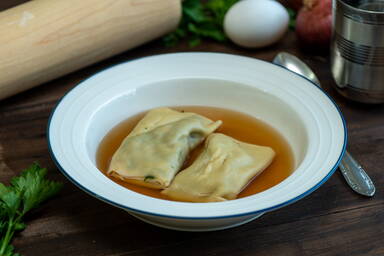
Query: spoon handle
[
  {"x": 353, "y": 173},
  {"x": 355, "y": 176}
]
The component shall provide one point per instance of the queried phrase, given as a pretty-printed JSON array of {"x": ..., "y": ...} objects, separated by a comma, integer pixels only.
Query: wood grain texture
[
  {"x": 331, "y": 221},
  {"x": 45, "y": 39}
]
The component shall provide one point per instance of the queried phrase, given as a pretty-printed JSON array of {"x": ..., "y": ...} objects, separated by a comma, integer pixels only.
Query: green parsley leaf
[
  {"x": 26, "y": 192},
  {"x": 34, "y": 188},
  {"x": 220, "y": 8},
  {"x": 201, "y": 20},
  {"x": 10, "y": 201}
]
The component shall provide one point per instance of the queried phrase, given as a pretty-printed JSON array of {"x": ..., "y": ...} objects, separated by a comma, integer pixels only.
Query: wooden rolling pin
[{"x": 44, "y": 39}]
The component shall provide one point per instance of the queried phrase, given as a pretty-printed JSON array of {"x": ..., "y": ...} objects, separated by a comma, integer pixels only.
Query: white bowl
[{"x": 301, "y": 112}]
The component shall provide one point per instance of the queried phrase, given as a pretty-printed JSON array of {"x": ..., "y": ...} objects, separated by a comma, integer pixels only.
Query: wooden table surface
[{"x": 333, "y": 220}]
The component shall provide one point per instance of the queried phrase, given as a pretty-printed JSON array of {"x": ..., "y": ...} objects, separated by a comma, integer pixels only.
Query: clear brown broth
[{"x": 235, "y": 124}]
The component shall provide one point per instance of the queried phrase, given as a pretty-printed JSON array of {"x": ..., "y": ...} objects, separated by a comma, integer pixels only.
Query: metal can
[{"x": 357, "y": 49}]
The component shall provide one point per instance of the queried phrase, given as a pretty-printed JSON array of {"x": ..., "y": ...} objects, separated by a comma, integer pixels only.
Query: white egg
[{"x": 256, "y": 23}]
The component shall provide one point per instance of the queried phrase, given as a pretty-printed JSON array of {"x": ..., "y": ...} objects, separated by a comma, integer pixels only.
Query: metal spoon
[{"x": 352, "y": 171}]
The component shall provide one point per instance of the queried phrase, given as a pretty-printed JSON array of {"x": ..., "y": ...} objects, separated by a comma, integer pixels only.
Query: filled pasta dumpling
[
  {"x": 157, "y": 147},
  {"x": 221, "y": 171}
]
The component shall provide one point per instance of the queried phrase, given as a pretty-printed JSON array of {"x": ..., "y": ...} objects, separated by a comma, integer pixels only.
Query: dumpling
[
  {"x": 221, "y": 171},
  {"x": 157, "y": 147}
]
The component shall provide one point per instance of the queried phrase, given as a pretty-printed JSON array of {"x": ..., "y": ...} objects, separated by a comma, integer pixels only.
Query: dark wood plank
[
  {"x": 345, "y": 232},
  {"x": 331, "y": 221},
  {"x": 6, "y": 4}
]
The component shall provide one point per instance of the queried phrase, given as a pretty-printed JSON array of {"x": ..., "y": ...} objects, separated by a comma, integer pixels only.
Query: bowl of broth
[{"x": 259, "y": 105}]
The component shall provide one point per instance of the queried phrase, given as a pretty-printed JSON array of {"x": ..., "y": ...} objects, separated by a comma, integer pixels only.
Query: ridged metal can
[{"x": 357, "y": 49}]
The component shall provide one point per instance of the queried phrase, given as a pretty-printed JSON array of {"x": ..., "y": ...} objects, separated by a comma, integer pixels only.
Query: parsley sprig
[
  {"x": 26, "y": 192},
  {"x": 201, "y": 19}
]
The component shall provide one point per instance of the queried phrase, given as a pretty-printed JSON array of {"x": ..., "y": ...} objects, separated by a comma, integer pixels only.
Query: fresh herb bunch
[
  {"x": 201, "y": 19},
  {"x": 26, "y": 192}
]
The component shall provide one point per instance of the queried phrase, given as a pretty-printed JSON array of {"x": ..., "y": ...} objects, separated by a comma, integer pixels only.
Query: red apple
[{"x": 314, "y": 24}]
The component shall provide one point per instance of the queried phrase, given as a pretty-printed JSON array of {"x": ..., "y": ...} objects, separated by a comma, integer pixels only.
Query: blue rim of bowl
[{"x": 288, "y": 202}]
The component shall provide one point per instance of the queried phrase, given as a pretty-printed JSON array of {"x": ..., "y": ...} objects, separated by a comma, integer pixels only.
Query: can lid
[{"x": 363, "y": 11}]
